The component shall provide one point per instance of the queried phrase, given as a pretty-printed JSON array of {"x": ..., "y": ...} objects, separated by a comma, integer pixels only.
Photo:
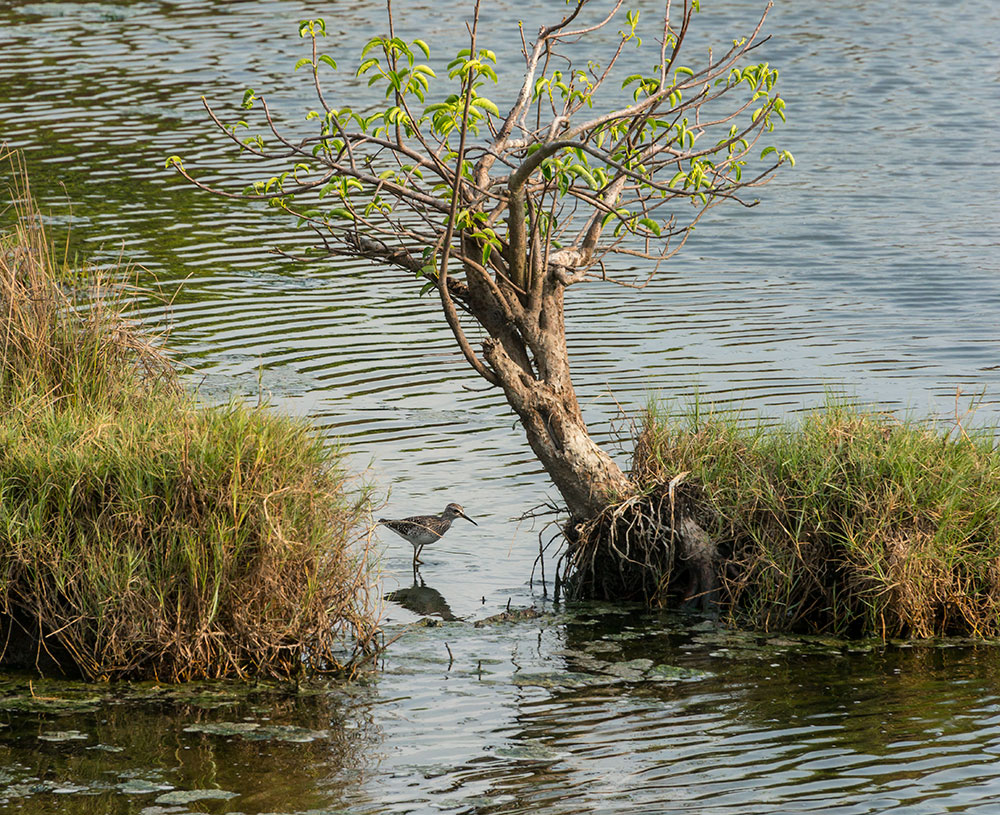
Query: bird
[{"x": 421, "y": 530}]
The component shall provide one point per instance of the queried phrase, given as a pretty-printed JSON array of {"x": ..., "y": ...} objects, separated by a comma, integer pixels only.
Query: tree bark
[{"x": 543, "y": 397}]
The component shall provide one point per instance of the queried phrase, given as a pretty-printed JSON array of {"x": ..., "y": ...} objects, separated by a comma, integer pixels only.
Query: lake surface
[{"x": 871, "y": 269}]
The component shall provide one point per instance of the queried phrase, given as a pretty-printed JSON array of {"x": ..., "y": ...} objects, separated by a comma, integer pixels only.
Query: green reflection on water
[
  {"x": 798, "y": 709},
  {"x": 77, "y": 748},
  {"x": 537, "y": 715}
]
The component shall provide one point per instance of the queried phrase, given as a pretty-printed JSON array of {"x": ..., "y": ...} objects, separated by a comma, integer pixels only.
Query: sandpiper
[{"x": 421, "y": 530}]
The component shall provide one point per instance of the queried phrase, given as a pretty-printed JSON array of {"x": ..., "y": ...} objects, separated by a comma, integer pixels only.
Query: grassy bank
[
  {"x": 141, "y": 533},
  {"x": 844, "y": 522}
]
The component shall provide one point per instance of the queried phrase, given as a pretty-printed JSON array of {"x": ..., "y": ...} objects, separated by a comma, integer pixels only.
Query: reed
[
  {"x": 143, "y": 534},
  {"x": 849, "y": 522}
]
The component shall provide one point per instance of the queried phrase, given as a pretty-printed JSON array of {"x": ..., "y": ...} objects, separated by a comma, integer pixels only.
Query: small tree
[{"x": 503, "y": 212}]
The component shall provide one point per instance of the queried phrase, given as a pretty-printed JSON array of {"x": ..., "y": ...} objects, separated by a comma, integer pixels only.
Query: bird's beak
[{"x": 468, "y": 519}]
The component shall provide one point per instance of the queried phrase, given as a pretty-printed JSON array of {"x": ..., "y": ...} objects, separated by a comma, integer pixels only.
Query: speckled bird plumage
[{"x": 421, "y": 530}]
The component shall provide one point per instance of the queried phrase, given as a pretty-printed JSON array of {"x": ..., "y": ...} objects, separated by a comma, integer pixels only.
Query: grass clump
[
  {"x": 847, "y": 522},
  {"x": 143, "y": 534}
]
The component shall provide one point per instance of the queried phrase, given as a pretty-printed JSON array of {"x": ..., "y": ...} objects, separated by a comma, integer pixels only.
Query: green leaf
[
  {"x": 423, "y": 47},
  {"x": 175, "y": 161},
  {"x": 651, "y": 225},
  {"x": 312, "y": 27},
  {"x": 483, "y": 102},
  {"x": 767, "y": 150},
  {"x": 585, "y": 173},
  {"x": 303, "y": 61},
  {"x": 328, "y": 60}
]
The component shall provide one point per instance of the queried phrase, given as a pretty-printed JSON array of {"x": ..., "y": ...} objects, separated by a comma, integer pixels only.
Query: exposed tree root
[
  {"x": 651, "y": 548},
  {"x": 845, "y": 523}
]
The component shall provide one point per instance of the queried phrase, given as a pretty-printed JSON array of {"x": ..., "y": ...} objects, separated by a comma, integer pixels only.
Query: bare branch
[
  {"x": 566, "y": 195},
  {"x": 442, "y": 283}
]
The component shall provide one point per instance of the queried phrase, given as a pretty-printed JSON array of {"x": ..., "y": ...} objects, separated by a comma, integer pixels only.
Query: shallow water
[
  {"x": 870, "y": 268},
  {"x": 593, "y": 710}
]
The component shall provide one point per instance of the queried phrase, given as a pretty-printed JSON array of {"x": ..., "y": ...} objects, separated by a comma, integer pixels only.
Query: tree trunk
[
  {"x": 543, "y": 397},
  {"x": 587, "y": 478}
]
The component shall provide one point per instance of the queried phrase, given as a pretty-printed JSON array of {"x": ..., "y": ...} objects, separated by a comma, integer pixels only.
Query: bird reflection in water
[{"x": 422, "y": 599}]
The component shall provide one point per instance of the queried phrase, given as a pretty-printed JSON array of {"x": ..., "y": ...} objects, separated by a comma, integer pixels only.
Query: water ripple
[{"x": 871, "y": 269}]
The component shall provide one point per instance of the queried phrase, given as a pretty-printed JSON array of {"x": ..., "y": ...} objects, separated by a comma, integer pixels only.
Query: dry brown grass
[
  {"x": 848, "y": 522},
  {"x": 141, "y": 533}
]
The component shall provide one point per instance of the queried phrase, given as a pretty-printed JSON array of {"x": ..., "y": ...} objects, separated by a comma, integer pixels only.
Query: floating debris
[
  {"x": 630, "y": 667},
  {"x": 674, "y": 673},
  {"x": 70, "y": 789},
  {"x": 190, "y": 796},
  {"x": 29, "y": 787},
  {"x": 63, "y": 735},
  {"x": 529, "y": 749},
  {"x": 515, "y": 615},
  {"x": 27, "y": 703},
  {"x": 136, "y": 786},
  {"x": 558, "y": 679},
  {"x": 627, "y": 634},
  {"x": 254, "y": 731}
]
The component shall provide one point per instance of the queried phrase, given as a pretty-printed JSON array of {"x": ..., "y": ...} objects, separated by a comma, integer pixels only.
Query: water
[
  {"x": 870, "y": 268},
  {"x": 592, "y": 711}
]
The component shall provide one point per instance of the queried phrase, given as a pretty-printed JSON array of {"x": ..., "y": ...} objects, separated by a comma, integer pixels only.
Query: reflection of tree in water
[
  {"x": 779, "y": 721},
  {"x": 884, "y": 698},
  {"x": 311, "y": 749},
  {"x": 875, "y": 693}
]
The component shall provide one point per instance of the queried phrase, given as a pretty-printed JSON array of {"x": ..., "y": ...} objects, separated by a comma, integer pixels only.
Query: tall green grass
[
  {"x": 143, "y": 534},
  {"x": 846, "y": 521}
]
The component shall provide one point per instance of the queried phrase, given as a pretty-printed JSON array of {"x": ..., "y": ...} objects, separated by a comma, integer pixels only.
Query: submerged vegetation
[
  {"x": 141, "y": 533},
  {"x": 847, "y": 522}
]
